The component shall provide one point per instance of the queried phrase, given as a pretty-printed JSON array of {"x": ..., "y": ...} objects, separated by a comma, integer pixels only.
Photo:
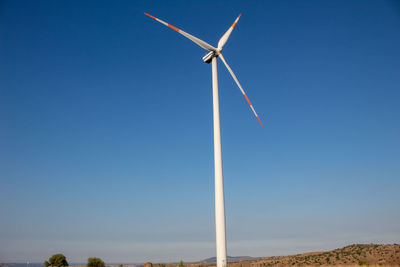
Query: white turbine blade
[
  {"x": 191, "y": 37},
  {"x": 240, "y": 87},
  {"x": 225, "y": 37}
]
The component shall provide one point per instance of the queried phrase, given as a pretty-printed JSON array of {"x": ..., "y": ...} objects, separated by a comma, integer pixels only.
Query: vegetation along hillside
[{"x": 371, "y": 254}]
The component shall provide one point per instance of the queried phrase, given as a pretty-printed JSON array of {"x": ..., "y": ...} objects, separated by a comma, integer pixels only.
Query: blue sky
[{"x": 106, "y": 128}]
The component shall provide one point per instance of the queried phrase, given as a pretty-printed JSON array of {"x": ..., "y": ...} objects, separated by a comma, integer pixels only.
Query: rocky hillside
[
  {"x": 385, "y": 255},
  {"x": 350, "y": 255}
]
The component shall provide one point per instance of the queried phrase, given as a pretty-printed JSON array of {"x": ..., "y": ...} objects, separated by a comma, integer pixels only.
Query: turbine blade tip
[
  {"x": 260, "y": 122},
  {"x": 150, "y": 15}
]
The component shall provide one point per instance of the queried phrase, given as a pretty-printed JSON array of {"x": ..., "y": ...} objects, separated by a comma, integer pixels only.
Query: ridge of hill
[{"x": 357, "y": 254}]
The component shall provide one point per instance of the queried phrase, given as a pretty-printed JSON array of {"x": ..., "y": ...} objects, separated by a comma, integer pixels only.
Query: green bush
[
  {"x": 56, "y": 260},
  {"x": 95, "y": 262}
]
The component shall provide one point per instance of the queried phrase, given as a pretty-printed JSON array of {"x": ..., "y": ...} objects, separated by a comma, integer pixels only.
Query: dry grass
[{"x": 353, "y": 255}]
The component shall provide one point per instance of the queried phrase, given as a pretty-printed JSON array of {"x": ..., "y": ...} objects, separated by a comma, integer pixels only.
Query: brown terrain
[{"x": 380, "y": 255}]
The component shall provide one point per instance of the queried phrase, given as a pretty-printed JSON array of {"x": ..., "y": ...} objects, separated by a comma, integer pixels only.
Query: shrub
[
  {"x": 95, "y": 262},
  {"x": 56, "y": 260}
]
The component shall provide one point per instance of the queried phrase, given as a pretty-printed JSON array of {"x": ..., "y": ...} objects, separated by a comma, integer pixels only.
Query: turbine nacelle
[{"x": 209, "y": 56}]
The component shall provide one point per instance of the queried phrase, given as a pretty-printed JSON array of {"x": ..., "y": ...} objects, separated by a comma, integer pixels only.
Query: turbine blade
[
  {"x": 199, "y": 42},
  {"x": 240, "y": 87},
  {"x": 225, "y": 37}
]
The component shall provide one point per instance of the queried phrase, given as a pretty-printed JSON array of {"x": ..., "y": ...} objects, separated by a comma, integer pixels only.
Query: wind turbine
[{"x": 211, "y": 57}]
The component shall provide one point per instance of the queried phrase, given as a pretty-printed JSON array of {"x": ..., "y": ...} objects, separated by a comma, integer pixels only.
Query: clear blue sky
[{"x": 106, "y": 128}]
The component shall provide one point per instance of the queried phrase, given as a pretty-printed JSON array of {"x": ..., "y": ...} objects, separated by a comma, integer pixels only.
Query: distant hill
[{"x": 358, "y": 254}]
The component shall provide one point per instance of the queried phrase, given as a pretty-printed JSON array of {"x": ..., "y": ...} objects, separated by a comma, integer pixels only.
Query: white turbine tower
[{"x": 212, "y": 56}]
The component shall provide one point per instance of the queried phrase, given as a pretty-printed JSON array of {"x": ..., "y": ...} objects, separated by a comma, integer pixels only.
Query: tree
[
  {"x": 56, "y": 260},
  {"x": 95, "y": 262},
  {"x": 181, "y": 264}
]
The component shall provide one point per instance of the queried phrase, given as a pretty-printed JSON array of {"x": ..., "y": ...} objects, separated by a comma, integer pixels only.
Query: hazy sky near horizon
[{"x": 106, "y": 145}]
